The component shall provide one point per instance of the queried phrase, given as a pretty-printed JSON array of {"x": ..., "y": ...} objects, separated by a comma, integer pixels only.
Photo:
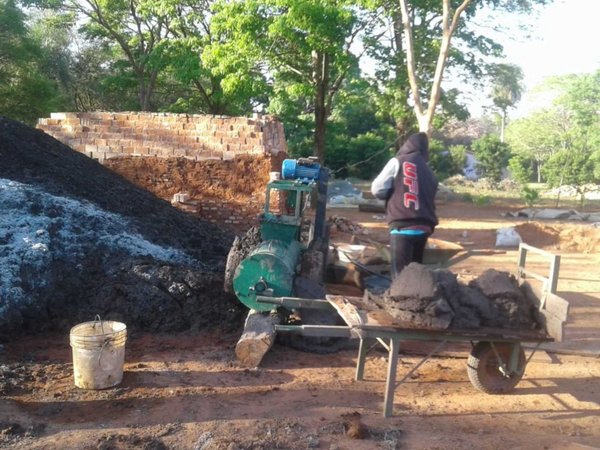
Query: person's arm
[{"x": 383, "y": 184}]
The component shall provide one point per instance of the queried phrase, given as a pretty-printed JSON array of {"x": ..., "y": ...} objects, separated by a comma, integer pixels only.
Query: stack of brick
[
  {"x": 221, "y": 164},
  {"x": 105, "y": 135},
  {"x": 230, "y": 192}
]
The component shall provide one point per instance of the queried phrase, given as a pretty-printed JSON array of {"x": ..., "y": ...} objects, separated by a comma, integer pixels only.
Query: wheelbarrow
[{"x": 497, "y": 360}]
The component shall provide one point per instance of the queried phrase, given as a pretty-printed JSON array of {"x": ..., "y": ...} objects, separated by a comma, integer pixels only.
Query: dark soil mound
[
  {"x": 31, "y": 156},
  {"x": 153, "y": 266}
]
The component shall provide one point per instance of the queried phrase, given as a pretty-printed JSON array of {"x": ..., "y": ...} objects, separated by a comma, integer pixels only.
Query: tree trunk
[
  {"x": 402, "y": 123},
  {"x": 320, "y": 133},
  {"x": 144, "y": 95},
  {"x": 397, "y": 24},
  {"x": 425, "y": 121},
  {"x": 146, "y": 85},
  {"x": 502, "y": 125},
  {"x": 321, "y": 80},
  {"x": 448, "y": 24},
  {"x": 257, "y": 338},
  {"x": 559, "y": 191}
]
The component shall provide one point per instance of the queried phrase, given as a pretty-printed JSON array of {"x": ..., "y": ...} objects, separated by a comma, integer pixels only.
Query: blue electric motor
[{"x": 302, "y": 169}]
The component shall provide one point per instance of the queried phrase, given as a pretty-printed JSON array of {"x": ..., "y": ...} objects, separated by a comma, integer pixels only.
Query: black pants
[{"x": 406, "y": 249}]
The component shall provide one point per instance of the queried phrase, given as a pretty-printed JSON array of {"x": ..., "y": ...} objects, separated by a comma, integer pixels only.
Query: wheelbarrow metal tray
[{"x": 361, "y": 316}]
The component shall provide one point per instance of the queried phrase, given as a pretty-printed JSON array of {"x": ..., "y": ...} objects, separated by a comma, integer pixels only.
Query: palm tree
[{"x": 507, "y": 87}]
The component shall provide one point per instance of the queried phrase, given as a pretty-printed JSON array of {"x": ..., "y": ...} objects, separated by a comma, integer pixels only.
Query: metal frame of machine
[{"x": 271, "y": 267}]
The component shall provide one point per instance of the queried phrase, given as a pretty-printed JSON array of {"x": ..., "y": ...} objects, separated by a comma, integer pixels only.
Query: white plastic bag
[{"x": 507, "y": 237}]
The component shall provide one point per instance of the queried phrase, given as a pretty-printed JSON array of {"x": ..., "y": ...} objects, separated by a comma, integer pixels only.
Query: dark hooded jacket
[{"x": 413, "y": 200}]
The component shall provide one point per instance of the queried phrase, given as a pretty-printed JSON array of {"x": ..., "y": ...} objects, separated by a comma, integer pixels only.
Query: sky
[{"x": 564, "y": 38}]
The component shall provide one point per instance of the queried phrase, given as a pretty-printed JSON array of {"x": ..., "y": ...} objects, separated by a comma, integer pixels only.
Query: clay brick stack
[
  {"x": 231, "y": 192},
  {"x": 105, "y": 135},
  {"x": 221, "y": 163}
]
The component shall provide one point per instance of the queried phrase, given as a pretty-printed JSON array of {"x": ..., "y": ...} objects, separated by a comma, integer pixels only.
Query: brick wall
[
  {"x": 105, "y": 135},
  {"x": 230, "y": 192},
  {"x": 221, "y": 163}
]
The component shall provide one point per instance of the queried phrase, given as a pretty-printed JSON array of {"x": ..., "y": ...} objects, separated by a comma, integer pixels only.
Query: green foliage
[
  {"x": 528, "y": 195},
  {"x": 358, "y": 143},
  {"x": 482, "y": 200},
  {"x": 571, "y": 167},
  {"x": 507, "y": 85},
  {"x": 440, "y": 160},
  {"x": 595, "y": 160},
  {"x": 466, "y": 57},
  {"x": 296, "y": 59},
  {"x": 458, "y": 155},
  {"x": 303, "y": 45},
  {"x": 492, "y": 156},
  {"x": 538, "y": 136},
  {"x": 467, "y": 197},
  {"x": 26, "y": 92},
  {"x": 446, "y": 161},
  {"x": 562, "y": 139},
  {"x": 361, "y": 157},
  {"x": 521, "y": 169}
]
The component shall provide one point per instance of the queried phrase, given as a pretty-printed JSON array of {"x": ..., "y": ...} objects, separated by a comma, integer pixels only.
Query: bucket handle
[
  {"x": 98, "y": 319},
  {"x": 106, "y": 342}
]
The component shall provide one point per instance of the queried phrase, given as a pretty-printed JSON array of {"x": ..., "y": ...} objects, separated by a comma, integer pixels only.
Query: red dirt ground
[{"x": 186, "y": 391}]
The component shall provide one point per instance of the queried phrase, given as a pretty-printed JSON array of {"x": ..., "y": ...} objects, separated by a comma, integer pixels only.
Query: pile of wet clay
[
  {"x": 424, "y": 298},
  {"x": 77, "y": 240}
]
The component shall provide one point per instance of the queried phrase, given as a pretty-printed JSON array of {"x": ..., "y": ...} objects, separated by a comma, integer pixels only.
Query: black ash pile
[{"x": 77, "y": 240}]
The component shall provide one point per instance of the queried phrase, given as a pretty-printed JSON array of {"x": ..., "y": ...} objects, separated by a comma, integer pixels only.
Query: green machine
[{"x": 269, "y": 269}]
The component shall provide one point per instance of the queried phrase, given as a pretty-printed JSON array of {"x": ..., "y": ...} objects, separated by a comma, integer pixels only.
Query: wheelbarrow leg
[
  {"x": 390, "y": 384},
  {"x": 362, "y": 356},
  {"x": 513, "y": 364}
]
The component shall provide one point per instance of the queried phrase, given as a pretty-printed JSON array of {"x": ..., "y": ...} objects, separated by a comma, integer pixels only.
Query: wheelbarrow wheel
[{"x": 485, "y": 371}]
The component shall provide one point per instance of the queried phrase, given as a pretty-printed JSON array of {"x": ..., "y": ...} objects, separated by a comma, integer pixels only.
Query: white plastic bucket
[{"x": 98, "y": 353}]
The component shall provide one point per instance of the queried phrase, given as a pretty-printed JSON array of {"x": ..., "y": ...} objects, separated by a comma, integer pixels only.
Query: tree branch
[{"x": 410, "y": 57}]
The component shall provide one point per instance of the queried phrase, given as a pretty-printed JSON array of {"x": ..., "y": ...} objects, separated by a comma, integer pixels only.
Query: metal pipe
[{"x": 317, "y": 330}]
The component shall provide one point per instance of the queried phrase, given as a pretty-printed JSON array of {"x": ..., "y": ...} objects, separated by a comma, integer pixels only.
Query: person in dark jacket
[{"x": 409, "y": 186}]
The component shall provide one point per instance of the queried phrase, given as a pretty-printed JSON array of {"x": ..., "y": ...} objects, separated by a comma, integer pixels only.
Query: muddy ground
[{"x": 185, "y": 391}]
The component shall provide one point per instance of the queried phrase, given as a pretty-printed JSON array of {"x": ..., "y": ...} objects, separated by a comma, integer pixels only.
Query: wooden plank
[
  {"x": 557, "y": 306},
  {"x": 554, "y": 326},
  {"x": 552, "y": 303},
  {"x": 532, "y": 292},
  {"x": 539, "y": 251},
  {"x": 528, "y": 273},
  {"x": 371, "y": 207},
  {"x": 350, "y": 313},
  {"x": 554, "y": 260},
  {"x": 356, "y": 311}
]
